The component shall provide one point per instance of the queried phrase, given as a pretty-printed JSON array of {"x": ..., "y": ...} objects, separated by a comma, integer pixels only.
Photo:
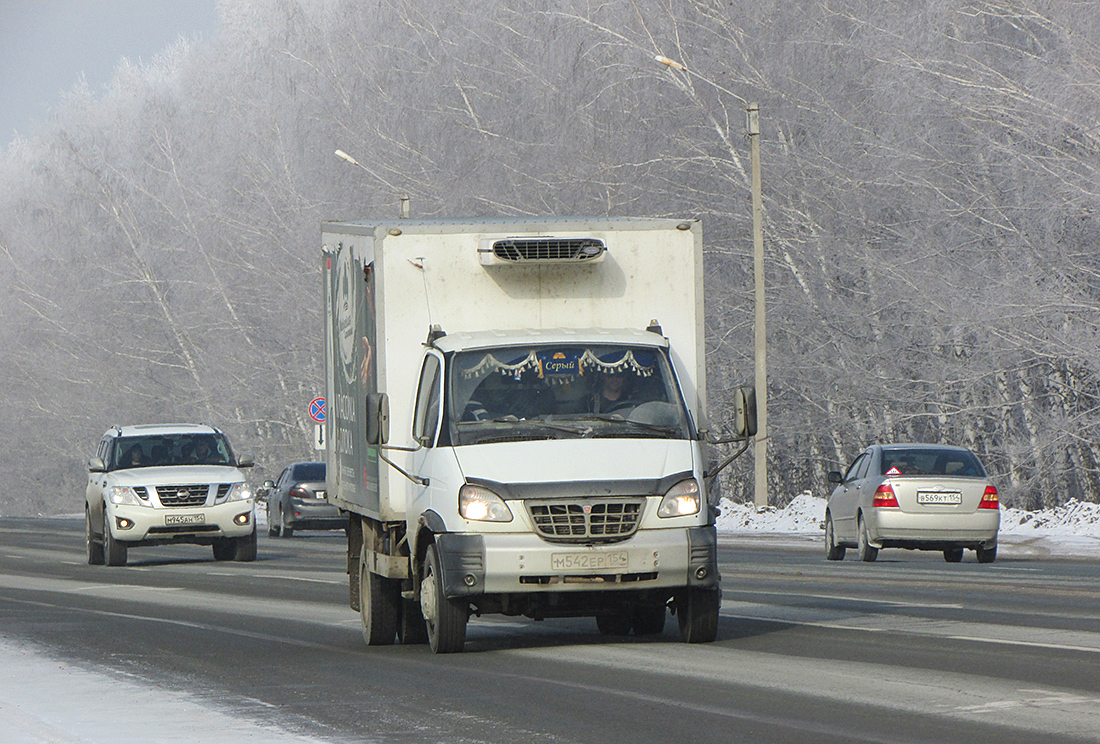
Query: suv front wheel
[
  {"x": 114, "y": 551},
  {"x": 95, "y": 547}
]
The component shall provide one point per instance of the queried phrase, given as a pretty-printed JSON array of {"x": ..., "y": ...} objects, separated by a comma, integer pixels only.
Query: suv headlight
[
  {"x": 239, "y": 492},
  {"x": 482, "y": 505},
  {"x": 682, "y": 500},
  {"x": 125, "y": 496}
]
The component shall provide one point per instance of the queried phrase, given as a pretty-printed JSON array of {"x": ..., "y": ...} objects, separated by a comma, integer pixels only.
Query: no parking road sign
[{"x": 317, "y": 409}]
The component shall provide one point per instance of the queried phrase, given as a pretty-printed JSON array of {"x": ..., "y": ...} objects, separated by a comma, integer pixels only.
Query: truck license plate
[
  {"x": 184, "y": 518},
  {"x": 938, "y": 497},
  {"x": 588, "y": 561}
]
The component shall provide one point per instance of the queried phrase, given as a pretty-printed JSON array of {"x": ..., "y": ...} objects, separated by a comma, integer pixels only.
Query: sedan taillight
[
  {"x": 990, "y": 499},
  {"x": 884, "y": 496},
  {"x": 299, "y": 493}
]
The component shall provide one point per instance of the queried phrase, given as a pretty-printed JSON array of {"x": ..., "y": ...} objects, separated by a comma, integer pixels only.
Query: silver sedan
[{"x": 914, "y": 496}]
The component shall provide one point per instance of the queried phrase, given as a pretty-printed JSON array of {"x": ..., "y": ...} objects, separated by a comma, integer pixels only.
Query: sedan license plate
[
  {"x": 319, "y": 494},
  {"x": 950, "y": 498},
  {"x": 588, "y": 561},
  {"x": 184, "y": 518}
]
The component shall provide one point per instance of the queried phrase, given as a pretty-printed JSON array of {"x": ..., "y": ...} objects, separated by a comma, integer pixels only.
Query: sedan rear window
[
  {"x": 925, "y": 461},
  {"x": 314, "y": 471}
]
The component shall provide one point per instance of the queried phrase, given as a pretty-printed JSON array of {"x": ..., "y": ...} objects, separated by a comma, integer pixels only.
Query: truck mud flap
[{"x": 463, "y": 558}]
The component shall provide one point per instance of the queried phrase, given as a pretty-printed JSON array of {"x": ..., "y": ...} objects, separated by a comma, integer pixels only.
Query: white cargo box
[{"x": 388, "y": 282}]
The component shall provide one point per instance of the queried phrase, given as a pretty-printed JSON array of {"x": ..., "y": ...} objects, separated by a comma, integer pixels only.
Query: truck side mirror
[
  {"x": 246, "y": 460},
  {"x": 378, "y": 418},
  {"x": 744, "y": 403},
  {"x": 95, "y": 465},
  {"x": 835, "y": 476}
]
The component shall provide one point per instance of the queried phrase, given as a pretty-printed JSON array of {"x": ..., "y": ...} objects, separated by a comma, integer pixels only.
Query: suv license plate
[
  {"x": 588, "y": 561},
  {"x": 938, "y": 497},
  {"x": 185, "y": 519}
]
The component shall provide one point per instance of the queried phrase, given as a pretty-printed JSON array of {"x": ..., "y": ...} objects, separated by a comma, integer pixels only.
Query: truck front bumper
[
  {"x": 149, "y": 524},
  {"x": 507, "y": 563}
]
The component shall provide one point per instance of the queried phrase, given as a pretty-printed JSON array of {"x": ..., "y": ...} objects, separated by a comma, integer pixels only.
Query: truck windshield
[{"x": 549, "y": 392}]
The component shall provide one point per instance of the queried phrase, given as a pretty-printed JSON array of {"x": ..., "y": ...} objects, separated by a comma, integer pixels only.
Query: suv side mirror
[
  {"x": 246, "y": 460},
  {"x": 835, "y": 476},
  {"x": 378, "y": 419},
  {"x": 96, "y": 465}
]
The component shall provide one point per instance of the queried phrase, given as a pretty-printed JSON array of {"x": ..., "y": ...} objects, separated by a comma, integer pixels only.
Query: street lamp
[
  {"x": 752, "y": 129},
  {"x": 403, "y": 199}
]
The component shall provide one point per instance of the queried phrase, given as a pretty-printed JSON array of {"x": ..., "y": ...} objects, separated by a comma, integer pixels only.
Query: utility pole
[{"x": 760, "y": 337}]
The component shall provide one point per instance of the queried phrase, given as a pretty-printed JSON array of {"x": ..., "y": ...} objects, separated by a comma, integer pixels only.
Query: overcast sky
[{"x": 45, "y": 46}]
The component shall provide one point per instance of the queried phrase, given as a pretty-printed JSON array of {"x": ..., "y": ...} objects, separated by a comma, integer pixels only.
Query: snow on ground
[
  {"x": 1072, "y": 530},
  {"x": 43, "y": 700}
]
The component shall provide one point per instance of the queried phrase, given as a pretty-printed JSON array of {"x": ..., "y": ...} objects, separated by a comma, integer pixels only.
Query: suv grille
[
  {"x": 183, "y": 495},
  {"x": 586, "y": 520},
  {"x": 565, "y": 250}
]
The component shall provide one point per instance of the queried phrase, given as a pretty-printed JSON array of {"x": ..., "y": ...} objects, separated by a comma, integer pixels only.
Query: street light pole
[
  {"x": 752, "y": 128},
  {"x": 760, "y": 338}
]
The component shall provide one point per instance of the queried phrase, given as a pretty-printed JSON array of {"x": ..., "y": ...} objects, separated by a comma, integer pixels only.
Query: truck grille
[
  {"x": 586, "y": 520},
  {"x": 548, "y": 250},
  {"x": 183, "y": 495}
]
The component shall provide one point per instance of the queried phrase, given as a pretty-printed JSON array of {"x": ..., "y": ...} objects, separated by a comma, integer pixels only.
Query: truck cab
[{"x": 558, "y": 473}]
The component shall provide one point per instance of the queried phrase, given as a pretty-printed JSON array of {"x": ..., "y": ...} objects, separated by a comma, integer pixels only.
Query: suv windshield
[
  {"x": 562, "y": 392},
  {"x": 169, "y": 449},
  {"x": 927, "y": 461}
]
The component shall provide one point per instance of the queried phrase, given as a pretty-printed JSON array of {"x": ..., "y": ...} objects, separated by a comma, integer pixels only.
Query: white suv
[{"x": 166, "y": 484}]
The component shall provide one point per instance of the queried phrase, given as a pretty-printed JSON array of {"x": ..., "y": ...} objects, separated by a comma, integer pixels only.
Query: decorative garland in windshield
[{"x": 561, "y": 364}]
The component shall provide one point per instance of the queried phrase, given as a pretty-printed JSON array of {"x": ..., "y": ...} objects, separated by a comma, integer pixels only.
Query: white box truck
[{"x": 516, "y": 423}]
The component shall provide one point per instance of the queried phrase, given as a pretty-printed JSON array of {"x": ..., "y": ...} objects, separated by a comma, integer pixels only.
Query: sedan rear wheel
[
  {"x": 953, "y": 555},
  {"x": 986, "y": 555},
  {"x": 833, "y": 552},
  {"x": 867, "y": 552}
]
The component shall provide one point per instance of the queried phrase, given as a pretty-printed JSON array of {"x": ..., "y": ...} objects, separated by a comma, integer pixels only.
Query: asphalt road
[{"x": 908, "y": 649}]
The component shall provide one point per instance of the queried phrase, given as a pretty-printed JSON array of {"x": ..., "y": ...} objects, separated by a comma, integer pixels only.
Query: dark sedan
[{"x": 297, "y": 501}]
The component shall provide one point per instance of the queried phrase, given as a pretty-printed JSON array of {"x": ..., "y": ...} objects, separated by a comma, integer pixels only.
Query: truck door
[{"x": 426, "y": 425}]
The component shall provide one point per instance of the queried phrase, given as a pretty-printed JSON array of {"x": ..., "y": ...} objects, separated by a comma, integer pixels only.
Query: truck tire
[
  {"x": 114, "y": 551},
  {"x": 649, "y": 620},
  {"x": 615, "y": 623},
  {"x": 445, "y": 618},
  {"x": 697, "y": 614},
  {"x": 244, "y": 548},
  {"x": 411, "y": 629},
  {"x": 95, "y": 548},
  {"x": 378, "y": 605}
]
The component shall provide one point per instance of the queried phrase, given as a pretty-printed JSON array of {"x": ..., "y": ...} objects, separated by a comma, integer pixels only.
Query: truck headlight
[
  {"x": 125, "y": 496},
  {"x": 239, "y": 492},
  {"x": 682, "y": 500},
  {"x": 482, "y": 505}
]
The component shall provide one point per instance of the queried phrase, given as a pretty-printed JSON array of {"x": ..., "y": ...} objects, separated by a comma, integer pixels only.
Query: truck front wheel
[
  {"x": 378, "y": 604},
  {"x": 697, "y": 613},
  {"x": 445, "y": 618}
]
